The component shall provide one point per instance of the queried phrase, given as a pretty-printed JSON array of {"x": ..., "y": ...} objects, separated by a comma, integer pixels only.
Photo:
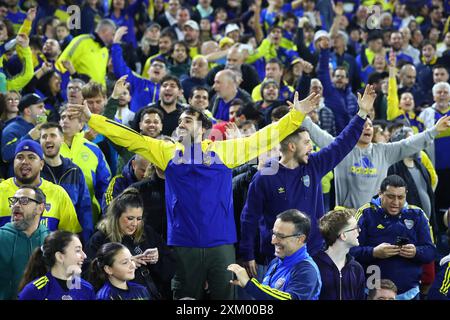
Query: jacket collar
[{"x": 300, "y": 255}]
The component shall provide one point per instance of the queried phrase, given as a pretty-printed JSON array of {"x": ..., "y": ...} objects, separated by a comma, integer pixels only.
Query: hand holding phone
[{"x": 151, "y": 255}]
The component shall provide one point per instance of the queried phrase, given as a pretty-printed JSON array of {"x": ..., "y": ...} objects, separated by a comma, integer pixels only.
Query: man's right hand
[
  {"x": 120, "y": 86},
  {"x": 366, "y": 101},
  {"x": 385, "y": 250},
  {"x": 250, "y": 266},
  {"x": 120, "y": 32},
  {"x": 79, "y": 111}
]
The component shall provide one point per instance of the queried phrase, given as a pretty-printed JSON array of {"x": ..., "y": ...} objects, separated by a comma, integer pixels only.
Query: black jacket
[
  {"x": 153, "y": 194},
  {"x": 161, "y": 272}
]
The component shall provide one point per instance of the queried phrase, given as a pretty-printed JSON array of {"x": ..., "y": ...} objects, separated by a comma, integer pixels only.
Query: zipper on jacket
[
  {"x": 340, "y": 285},
  {"x": 60, "y": 179}
]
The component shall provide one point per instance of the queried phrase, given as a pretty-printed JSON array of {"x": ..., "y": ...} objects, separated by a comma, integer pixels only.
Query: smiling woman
[
  {"x": 123, "y": 224},
  {"x": 53, "y": 271}
]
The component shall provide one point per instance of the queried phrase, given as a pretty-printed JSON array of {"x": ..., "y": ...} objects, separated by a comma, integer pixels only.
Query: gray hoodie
[{"x": 358, "y": 177}]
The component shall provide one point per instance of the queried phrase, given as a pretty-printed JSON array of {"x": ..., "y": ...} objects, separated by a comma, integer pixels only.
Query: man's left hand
[{"x": 408, "y": 251}]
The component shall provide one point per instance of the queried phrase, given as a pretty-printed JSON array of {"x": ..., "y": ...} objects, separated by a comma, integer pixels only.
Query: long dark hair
[
  {"x": 105, "y": 257},
  {"x": 43, "y": 258},
  {"x": 129, "y": 198}
]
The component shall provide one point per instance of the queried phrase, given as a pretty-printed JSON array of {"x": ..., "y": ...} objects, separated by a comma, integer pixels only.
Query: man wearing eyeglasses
[
  {"x": 19, "y": 237},
  {"x": 342, "y": 276},
  {"x": 396, "y": 237},
  {"x": 297, "y": 184},
  {"x": 293, "y": 274}
]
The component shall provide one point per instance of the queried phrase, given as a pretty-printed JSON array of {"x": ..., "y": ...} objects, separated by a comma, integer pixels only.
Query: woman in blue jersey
[
  {"x": 53, "y": 271},
  {"x": 111, "y": 271},
  {"x": 123, "y": 223}
]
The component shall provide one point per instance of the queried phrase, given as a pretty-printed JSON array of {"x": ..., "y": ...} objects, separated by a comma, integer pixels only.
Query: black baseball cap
[{"x": 28, "y": 100}]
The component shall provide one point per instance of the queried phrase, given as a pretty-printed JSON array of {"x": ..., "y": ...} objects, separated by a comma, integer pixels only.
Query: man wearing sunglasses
[
  {"x": 395, "y": 237},
  {"x": 19, "y": 237}
]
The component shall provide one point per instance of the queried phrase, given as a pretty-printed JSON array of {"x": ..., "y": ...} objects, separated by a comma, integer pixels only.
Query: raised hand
[
  {"x": 365, "y": 102},
  {"x": 392, "y": 58},
  {"x": 307, "y": 67},
  {"x": 79, "y": 111},
  {"x": 241, "y": 275},
  {"x": 120, "y": 86},
  {"x": 31, "y": 14},
  {"x": 306, "y": 105},
  {"x": 69, "y": 66},
  {"x": 120, "y": 32},
  {"x": 443, "y": 124},
  {"x": 232, "y": 131},
  {"x": 23, "y": 40}
]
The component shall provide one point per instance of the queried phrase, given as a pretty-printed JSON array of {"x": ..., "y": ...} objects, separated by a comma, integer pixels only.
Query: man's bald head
[{"x": 235, "y": 58}]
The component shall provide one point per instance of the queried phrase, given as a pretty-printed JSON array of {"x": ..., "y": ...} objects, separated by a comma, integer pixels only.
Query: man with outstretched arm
[{"x": 198, "y": 184}]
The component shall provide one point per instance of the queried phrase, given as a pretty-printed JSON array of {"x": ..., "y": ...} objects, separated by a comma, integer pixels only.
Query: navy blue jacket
[
  {"x": 440, "y": 290},
  {"x": 343, "y": 103},
  {"x": 189, "y": 83},
  {"x": 298, "y": 188},
  {"x": 75, "y": 185},
  {"x": 377, "y": 226},
  {"x": 143, "y": 91},
  {"x": 295, "y": 277},
  {"x": 118, "y": 184},
  {"x": 347, "y": 284},
  {"x": 15, "y": 131}
]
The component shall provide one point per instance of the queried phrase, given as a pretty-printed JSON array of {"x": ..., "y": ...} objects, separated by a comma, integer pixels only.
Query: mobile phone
[
  {"x": 401, "y": 241},
  {"x": 150, "y": 251}
]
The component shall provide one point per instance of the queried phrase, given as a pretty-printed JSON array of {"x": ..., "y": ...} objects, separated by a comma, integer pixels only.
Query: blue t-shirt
[
  {"x": 48, "y": 288},
  {"x": 135, "y": 292}
]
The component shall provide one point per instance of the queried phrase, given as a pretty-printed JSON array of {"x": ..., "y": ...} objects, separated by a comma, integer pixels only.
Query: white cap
[
  {"x": 192, "y": 24},
  {"x": 319, "y": 34},
  {"x": 231, "y": 27}
]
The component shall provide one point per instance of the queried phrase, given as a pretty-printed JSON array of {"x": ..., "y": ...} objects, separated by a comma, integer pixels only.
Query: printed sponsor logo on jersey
[
  {"x": 364, "y": 167},
  {"x": 281, "y": 190},
  {"x": 380, "y": 226}
]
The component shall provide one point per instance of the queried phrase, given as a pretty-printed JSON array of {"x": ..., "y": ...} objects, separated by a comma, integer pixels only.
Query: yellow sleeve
[
  {"x": 393, "y": 110},
  {"x": 74, "y": 48},
  {"x": 68, "y": 219},
  {"x": 274, "y": 293},
  {"x": 21, "y": 80},
  {"x": 235, "y": 152},
  {"x": 156, "y": 151},
  {"x": 146, "y": 67},
  {"x": 26, "y": 27},
  {"x": 430, "y": 168},
  {"x": 256, "y": 93},
  {"x": 265, "y": 49}
]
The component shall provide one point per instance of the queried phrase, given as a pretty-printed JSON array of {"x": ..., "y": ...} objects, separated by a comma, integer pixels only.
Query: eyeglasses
[
  {"x": 352, "y": 229},
  {"x": 74, "y": 88},
  {"x": 22, "y": 201},
  {"x": 158, "y": 65},
  {"x": 13, "y": 100},
  {"x": 281, "y": 236}
]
